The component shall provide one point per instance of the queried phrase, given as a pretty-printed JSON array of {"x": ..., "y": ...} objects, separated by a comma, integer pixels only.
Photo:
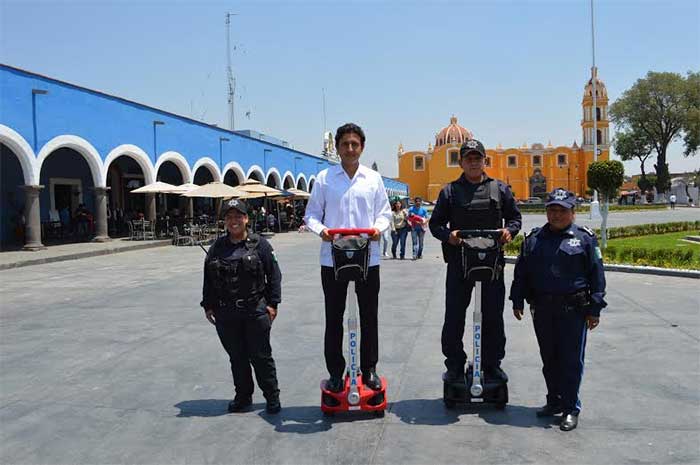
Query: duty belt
[
  {"x": 577, "y": 299},
  {"x": 241, "y": 304}
]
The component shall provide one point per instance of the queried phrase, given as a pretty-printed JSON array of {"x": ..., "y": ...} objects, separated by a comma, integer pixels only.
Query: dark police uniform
[
  {"x": 560, "y": 274},
  {"x": 463, "y": 205},
  {"x": 240, "y": 280}
]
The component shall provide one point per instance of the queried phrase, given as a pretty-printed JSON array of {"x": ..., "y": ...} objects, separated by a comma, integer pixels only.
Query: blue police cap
[
  {"x": 561, "y": 196},
  {"x": 235, "y": 204}
]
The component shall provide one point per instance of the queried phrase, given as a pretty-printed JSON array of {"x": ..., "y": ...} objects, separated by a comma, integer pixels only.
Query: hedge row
[
  {"x": 648, "y": 229},
  {"x": 665, "y": 258},
  {"x": 585, "y": 208}
]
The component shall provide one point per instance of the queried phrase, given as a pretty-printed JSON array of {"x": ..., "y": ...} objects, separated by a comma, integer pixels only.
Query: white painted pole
[{"x": 595, "y": 205}]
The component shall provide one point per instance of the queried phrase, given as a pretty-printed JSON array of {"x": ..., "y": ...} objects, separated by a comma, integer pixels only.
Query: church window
[
  {"x": 512, "y": 161},
  {"x": 561, "y": 159},
  {"x": 453, "y": 158},
  {"x": 536, "y": 160},
  {"x": 597, "y": 113},
  {"x": 599, "y": 136},
  {"x": 488, "y": 162},
  {"x": 418, "y": 164}
]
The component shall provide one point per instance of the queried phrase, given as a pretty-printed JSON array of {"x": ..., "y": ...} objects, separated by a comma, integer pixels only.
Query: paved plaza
[{"x": 109, "y": 359}]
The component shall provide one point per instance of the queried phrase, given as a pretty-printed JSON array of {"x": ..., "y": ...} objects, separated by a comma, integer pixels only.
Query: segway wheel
[
  {"x": 450, "y": 404},
  {"x": 328, "y": 414},
  {"x": 379, "y": 413},
  {"x": 502, "y": 398}
]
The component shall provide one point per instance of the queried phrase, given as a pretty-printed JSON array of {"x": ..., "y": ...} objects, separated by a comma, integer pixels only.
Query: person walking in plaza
[
  {"x": 559, "y": 272},
  {"x": 399, "y": 229},
  {"x": 418, "y": 219},
  {"x": 474, "y": 201},
  {"x": 349, "y": 195},
  {"x": 672, "y": 201},
  {"x": 241, "y": 292}
]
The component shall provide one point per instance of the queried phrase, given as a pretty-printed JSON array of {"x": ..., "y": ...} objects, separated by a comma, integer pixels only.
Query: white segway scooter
[
  {"x": 481, "y": 250},
  {"x": 350, "y": 262}
]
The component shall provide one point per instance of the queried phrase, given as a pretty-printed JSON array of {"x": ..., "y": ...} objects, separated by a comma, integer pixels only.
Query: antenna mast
[{"x": 229, "y": 74}]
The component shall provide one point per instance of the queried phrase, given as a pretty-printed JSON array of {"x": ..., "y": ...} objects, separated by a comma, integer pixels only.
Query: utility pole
[
  {"x": 595, "y": 205},
  {"x": 229, "y": 74}
]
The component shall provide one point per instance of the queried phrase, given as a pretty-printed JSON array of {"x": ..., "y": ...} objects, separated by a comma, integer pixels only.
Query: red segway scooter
[{"x": 350, "y": 263}]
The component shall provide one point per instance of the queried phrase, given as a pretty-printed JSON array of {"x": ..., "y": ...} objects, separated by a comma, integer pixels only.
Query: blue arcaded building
[{"x": 62, "y": 145}]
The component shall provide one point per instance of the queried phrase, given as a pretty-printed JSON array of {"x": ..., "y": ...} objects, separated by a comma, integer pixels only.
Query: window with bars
[
  {"x": 418, "y": 163},
  {"x": 453, "y": 158}
]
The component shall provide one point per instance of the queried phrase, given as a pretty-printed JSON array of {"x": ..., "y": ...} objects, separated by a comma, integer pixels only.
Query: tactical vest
[
  {"x": 479, "y": 211},
  {"x": 239, "y": 283}
]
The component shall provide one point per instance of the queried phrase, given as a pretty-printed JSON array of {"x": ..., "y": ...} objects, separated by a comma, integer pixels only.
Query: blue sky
[{"x": 512, "y": 71}]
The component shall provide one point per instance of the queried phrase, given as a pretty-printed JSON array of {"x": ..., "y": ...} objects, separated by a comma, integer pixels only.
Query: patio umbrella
[
  {"x": 182, "y": 188},
  {"x": 154, "y": 188},
  {"x": 255, "y": 187},
  {"x": 213, "y": 190},
  {"x": 298, "y": 193}
]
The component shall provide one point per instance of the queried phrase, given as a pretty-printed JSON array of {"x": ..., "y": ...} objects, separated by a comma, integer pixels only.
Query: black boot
[
  {"x": 371, "y": 380},
  {"x": 240, "y": 404},
  {"x": 495, "y": 373},
  {"x": 453, "y": 377},
  {"x": 549, "y": 410},
  {"x": 569, "y": 421},
  {"x": 335, "y": 384}
]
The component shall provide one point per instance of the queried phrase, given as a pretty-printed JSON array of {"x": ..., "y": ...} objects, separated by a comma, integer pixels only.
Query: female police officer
[
  {"x": 560, "y": 273},
  {"x": 242, "y": 288}
]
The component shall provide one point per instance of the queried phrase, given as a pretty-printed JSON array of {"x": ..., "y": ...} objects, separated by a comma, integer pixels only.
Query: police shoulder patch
[{"x": 588, "y": 230}]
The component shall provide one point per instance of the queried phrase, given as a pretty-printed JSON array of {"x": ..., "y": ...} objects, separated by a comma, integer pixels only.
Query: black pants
[
  {"x": 335, "y": 293},
  {"x": 561, "y": 336},
  {"x": 457, "y": 298},
  {"x": 247, "y": 341}
]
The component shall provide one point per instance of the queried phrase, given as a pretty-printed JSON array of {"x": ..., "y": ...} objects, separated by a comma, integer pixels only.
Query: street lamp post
[
  {"x": 36, "y": 92},
  {"x": 595, "y": 205},
  {"x": 221, "y": 152},
  {"x": 155, "y": 139}
]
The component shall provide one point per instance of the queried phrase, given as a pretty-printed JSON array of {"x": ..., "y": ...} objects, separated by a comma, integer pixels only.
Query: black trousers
[
  {"x": 457, "y": 298},
  {"x": 335, "y": 293},
  {"x": 247, "y": 341},
  {"x": 561, "y": 336}
]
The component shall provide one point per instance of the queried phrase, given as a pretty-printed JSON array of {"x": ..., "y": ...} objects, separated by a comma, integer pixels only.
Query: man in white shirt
[{"x": 349, "y": 195}]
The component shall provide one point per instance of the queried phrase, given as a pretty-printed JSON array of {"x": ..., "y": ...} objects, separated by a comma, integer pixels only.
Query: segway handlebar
[
  {"x": 477, "y": 232},
  {"x": 351, "y": 231}
]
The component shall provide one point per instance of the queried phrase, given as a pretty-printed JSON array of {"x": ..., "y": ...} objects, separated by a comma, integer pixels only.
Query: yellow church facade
[{"x": 531, "y": 171}]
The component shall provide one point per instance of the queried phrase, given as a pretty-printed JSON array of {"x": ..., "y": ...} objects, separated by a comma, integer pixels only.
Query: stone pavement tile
[{"x": 445, "y": 443}]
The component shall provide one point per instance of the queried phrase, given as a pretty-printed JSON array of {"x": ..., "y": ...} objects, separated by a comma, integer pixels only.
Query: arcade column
[
  {"x": 101, "y": 234},
  {"x": 32, "y": 219},
  {"x": 151, "y": 207}
]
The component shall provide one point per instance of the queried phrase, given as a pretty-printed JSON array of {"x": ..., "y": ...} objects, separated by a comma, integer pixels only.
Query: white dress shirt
[{"x": 340, "y": 202}]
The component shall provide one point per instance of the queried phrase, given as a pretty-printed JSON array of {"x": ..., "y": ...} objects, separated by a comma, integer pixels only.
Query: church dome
[
  {"x": 454, "y": 133},
  {"x": 601, "y": 91}
]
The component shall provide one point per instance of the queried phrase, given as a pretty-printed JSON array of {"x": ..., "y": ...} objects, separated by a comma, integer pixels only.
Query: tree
[
  {"x": 630, "y": 145},
  {"x": 663, "y": 107},
  {"x": 646, "y": 183},
  {"x": 606, "y": 177}
]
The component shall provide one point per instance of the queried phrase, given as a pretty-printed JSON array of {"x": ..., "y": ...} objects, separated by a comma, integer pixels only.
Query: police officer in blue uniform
[
  {"x": 560, "y": 274},
  {"x": 242, "y": 289},
  {"x": 474, "y": 201}
]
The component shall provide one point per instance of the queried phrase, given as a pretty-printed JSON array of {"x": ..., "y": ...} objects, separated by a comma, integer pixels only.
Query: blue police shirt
[{"x": 559, "y": 263}]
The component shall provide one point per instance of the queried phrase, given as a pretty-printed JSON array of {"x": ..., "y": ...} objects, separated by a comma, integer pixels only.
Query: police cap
[
  {"x": 472, "y": 146},
  {"x": 235, "y": 204},
  {"x": 562, "y": 197}
]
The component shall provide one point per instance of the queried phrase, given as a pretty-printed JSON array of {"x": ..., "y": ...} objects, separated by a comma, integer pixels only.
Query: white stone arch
[
  {"x": 312, "y": 179},
  {"x": 237, "y": 169},
  {"x": 276, "y": 175},
  {"x": 255, "y": 169},
  {"x": 290, "y": 176},
  {"x": 135, "y": 153},
  {"x": 21, "y": 148},
  {"x": 302, "y": 177},
  {"x": 80, "y": 145},
  {"x": 179, "y": 161},
  {"x": 210, "y": 164}
]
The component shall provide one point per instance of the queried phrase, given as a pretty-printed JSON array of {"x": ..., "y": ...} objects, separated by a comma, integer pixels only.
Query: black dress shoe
[
  {"x": 273, "y": 406},
  {"x": 372, "y": 381},
  {"x": 569, "y": 421},
  {"x": 239, "y": 404},
  {"x": 496, "y": 374},
  {"x": 334, "y": 384},
  {"x": 549, "y": 410}
]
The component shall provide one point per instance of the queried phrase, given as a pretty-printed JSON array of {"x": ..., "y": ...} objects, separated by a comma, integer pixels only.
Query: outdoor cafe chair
[{"x": 179, "y": 239}]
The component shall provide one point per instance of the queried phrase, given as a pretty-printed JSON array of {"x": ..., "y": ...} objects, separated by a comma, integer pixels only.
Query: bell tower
[{"x": 600, "y": 113}]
